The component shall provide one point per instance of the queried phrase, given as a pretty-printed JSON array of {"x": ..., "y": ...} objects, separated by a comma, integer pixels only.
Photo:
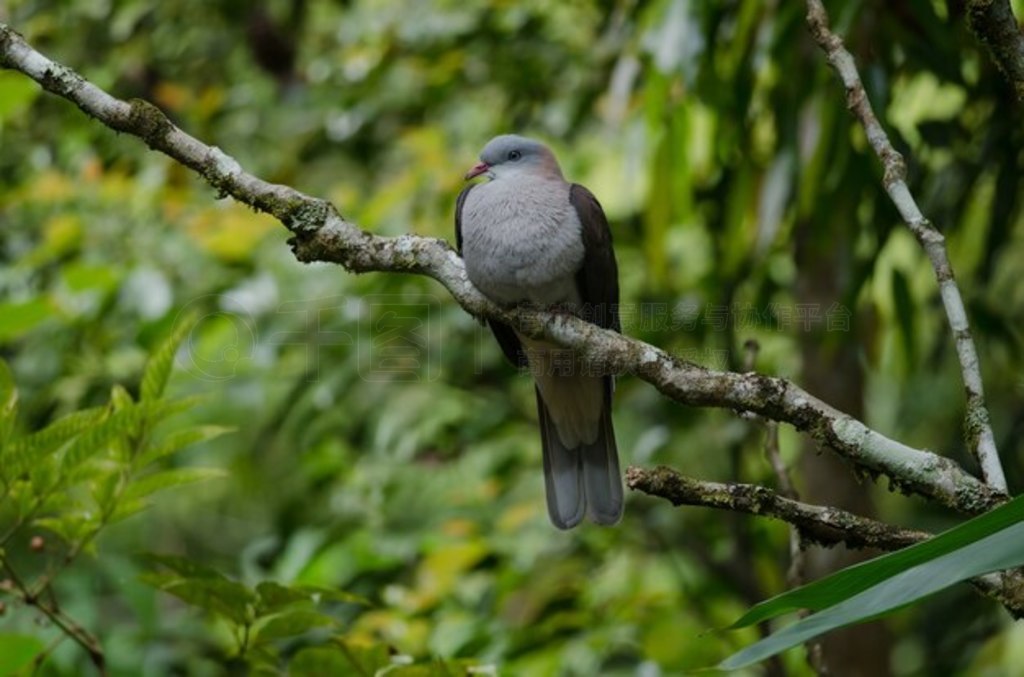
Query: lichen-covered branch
[
  {"x": 823, "y": 525},
  {"x": 995, "y": 26},
  {"x": 980, "y": 439},
  {"x": 818, "y": 524},
  {"x": 321, "y": 234}
]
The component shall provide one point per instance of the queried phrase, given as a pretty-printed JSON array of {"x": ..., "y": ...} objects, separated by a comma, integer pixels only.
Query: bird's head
[{"x": 511, "y": 155}]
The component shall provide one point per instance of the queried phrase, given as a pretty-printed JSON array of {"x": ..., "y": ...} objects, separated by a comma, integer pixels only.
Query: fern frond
[{"x": 158, "y": 368}]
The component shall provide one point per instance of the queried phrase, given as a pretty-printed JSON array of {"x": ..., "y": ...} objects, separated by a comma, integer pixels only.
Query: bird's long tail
[{"x": 584, "y": 480}]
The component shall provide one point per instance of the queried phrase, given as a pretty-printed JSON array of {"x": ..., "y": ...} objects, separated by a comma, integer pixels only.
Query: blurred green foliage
[{"x": 382, "y": 447}]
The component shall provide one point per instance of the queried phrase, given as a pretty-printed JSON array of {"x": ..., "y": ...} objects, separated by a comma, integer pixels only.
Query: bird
[{"x": 528, "y": 236}]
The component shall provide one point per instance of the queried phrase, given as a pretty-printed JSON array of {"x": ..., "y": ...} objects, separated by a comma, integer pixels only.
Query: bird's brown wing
[
  {"x": 507, "y": 338},
  {"x": 598, "y": 284},
  {"x": 598, "y": 278}
]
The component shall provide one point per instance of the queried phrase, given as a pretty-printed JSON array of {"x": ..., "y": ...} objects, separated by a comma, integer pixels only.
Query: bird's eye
[{"x": 514, "y": 155}]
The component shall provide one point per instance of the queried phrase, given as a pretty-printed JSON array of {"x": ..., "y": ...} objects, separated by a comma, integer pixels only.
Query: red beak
[{"x": 478, "y": 169}]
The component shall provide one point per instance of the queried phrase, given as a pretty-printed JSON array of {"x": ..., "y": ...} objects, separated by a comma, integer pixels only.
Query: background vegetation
[{"x": 382, "y": 480}]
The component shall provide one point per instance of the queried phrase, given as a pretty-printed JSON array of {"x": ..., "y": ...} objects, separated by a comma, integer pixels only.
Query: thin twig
[
  {"x": 53, "y": 612},
  {"x": 40, "y": 660},
  {"x": 795, "y": 577},
  {"x": 796, "y": 573},
  {"x": 786, "y": 490},
  {"x": 980, "y": 439}
]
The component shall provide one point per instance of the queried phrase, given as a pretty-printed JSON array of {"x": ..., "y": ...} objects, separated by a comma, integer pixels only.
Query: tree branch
[
  {"x": 980, "y": 439},
  {"x": 823, "y": 525},
  {"x": 321, "y": 234},
  {"x": 993, "y": 23}
]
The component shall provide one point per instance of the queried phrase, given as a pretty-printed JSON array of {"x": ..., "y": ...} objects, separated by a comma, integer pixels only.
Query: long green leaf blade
[
  {"x": 1001, "y": 550},
  {"x": 853, "y": 580}
]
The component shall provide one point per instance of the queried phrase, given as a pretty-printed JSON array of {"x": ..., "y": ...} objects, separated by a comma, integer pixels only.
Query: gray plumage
[{"x": 528, "y": 235}]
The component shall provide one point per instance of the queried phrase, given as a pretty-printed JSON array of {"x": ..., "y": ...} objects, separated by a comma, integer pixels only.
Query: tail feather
[
  {"x": 602, "y": 481},
  {"x": 584, "y": 480},
  {"x": 563, "y": 477}
]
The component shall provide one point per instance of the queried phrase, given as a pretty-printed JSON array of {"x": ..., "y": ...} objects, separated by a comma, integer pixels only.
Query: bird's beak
[{"x": 478, "y": 169}]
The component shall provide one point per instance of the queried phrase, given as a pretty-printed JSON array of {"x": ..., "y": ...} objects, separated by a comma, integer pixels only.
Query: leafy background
[{"x": 384, "y": 460}]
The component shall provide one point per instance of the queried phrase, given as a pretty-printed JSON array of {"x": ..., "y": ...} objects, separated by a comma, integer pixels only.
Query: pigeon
[{"x": 527, "y": 236}]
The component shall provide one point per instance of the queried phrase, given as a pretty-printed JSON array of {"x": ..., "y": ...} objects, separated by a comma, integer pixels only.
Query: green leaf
[
  {"x": 166, "y": 479},
  {"x": 154, "y": 412},
  {"x": 1002, "y": 550},
  {"x": 275, "y": 597},
  {"x": 158, "y": 368},
  {"x": 43, "y": 477},
  {"x": 220, "y": 596},
  {"x": 69, "y": 526},
  {"x": 8, "y": 404},
  {"x": 25, "y": 452},
  {"x": 105, "y": 490},
  {"x": 201, "y": 586},
  {"x": 177, "y": 441},
  {"x": 291, "y": 623},
  {"x": 322, "y": 660},
  {"x": 120, "y": 398},
  {"x": 345, "y": 658},
  {"x": 182, "y": 566},
  {"x": 20, "y": 498},
  {"x": 80, "y": 277},
  {"x": 98, "y": 437},
  {"x": 262, "y": 660},
  {"x": 126, "y": 508},
  {"x": 991, "y": 542},
  {"x": 20, "y": 317},
  {"x": 324, "y": 594},
  {"x": 125, "y": 422},
  {"x": 849, "y": 581},
  {"x": 18, "y": 651}
]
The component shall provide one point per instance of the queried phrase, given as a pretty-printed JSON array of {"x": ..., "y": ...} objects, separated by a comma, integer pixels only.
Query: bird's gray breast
[{"x": 522, "y": 241}]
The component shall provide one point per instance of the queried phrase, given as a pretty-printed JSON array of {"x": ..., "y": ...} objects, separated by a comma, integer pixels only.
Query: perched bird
[{"x": 527, "y": 235}]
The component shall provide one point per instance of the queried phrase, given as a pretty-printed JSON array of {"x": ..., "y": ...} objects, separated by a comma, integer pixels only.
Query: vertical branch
[
  {"x": 796, "y": 575},
  {"x": 993, "y": 23},
  {"x": 980, "y": 439}
]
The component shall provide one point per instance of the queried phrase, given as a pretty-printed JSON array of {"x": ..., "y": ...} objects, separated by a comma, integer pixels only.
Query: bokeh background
[{"x": 383, "y": 446}]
